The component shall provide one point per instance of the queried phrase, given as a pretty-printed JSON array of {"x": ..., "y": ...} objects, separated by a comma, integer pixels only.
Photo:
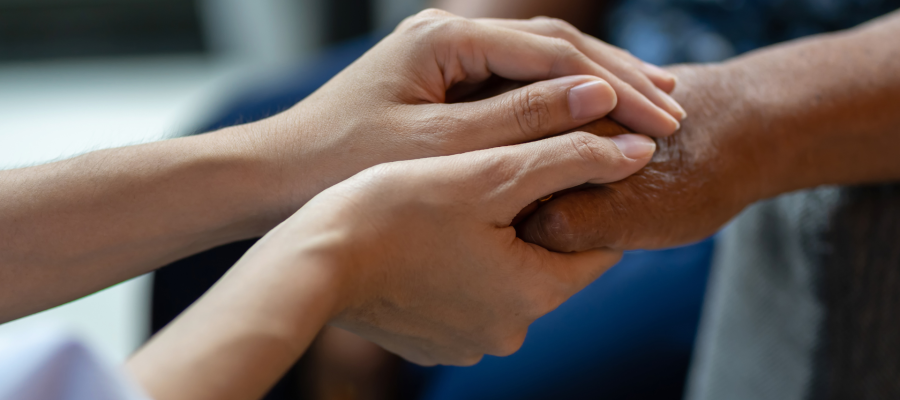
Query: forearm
[
  {"x": 79, "y": 225},
  {"x": 825, "y": 109},
  {"x": 247, "y": 331}
]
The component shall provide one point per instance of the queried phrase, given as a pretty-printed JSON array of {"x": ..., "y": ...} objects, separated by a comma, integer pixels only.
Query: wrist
[
  {"x": 266, "y": 171},
  {"x": 770, "y": 126},
  {"x": 723, "y": 132},
  {"x": 264, "y": 312},
  {"x": 308, "y": 267}
]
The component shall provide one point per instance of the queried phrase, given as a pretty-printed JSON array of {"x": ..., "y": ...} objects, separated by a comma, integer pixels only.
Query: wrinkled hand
[
  {"x": 426, "y": 261},
  {"x": 698, "y": 179}
]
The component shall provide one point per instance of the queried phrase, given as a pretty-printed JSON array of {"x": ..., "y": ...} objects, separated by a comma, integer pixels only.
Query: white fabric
[{"x": 52, "y": 365}]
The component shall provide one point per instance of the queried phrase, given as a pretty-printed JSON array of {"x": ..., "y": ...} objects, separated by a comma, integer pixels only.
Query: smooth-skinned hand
[
  {"x": 421, "y": 256},
  {"x": 397, "y": 101}
]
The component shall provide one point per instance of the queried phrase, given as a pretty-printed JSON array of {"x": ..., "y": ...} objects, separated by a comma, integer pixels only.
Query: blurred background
[{"x": 80, "y": 75}]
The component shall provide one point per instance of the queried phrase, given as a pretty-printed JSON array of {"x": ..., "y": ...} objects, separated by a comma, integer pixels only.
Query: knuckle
[
  {"x": 564, "y": 47},
  {"x": 565, "y": 53},
  {"x": 589, "y": 148},
  {"x": 433, "y": 13},
  {"x": 554, "y": 229},
  {"x": 532, "y": 112},
  {"x": 433, "y": 22},
  {"x": 560, "y": 28}
]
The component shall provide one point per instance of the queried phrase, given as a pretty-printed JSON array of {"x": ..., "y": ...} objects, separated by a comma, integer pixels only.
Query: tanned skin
[{"x": 817, "y": 111}]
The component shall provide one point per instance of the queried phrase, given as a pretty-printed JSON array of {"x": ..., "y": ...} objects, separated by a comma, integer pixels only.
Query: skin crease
[
  {"x": 760, "y": 125},
  {"x": 416, "y": 252},
  {"x": 115, "y": 214},
  {"x": 417, "y": 256},
  {"x": 814, "y": 111},
  {"x": 687, "y": 184}
]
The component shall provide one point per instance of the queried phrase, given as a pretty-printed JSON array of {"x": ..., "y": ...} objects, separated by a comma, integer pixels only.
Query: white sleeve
[{"x": 52, "y": 365}]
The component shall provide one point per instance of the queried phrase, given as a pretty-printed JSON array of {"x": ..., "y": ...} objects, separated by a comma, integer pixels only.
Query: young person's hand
[
  {"x": 397, "y": 102},
  {"x": 417, "y": 256},
  {"x": 428, "y": 264},
  {"x": 194, "y": 193},
  {"x": 627, "y": 73}
]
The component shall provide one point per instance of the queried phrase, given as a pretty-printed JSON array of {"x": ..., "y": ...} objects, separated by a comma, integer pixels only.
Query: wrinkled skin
[{"x": 698, "y": 179}]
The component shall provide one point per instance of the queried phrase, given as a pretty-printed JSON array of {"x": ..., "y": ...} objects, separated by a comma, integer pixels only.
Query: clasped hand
[{"x": 422, "y": 252}]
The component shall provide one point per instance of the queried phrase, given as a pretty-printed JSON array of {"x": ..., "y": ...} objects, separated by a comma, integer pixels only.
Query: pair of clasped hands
[
  {"x": 406, "y": 235},
  {"x": 420, "y": 235}
]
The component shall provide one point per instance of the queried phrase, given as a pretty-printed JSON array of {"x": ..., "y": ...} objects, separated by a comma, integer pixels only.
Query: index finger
[{"x": 469, "y": 51}]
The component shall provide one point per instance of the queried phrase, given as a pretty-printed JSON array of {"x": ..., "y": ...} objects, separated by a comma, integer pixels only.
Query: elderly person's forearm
[
  {"x": 827, "y": 107},
  {"x": 816, "y": 111}
]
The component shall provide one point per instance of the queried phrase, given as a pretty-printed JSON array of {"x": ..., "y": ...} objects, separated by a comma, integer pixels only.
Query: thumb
[
  {"x": 534, "y": 111},
  {"x": 547, "y": 166}
]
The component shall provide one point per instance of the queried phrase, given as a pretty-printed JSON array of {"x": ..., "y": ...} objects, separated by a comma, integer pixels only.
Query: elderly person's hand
[
  {"x": 761, "y": 125},
  {"x": 397, "y": 101},
  {"x": 698, "y": 180},
  {"x": 425, "y": 255}
]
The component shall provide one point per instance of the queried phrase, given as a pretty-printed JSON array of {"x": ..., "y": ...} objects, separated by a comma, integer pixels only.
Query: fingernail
[
  {"x": 591, "y": 100},
  {"x": 634, "y": 146},
  {"x": 674, "y": 108}
]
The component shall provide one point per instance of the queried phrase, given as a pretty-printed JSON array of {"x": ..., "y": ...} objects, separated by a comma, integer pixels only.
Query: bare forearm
[
  {"x": 826, "y": 108},
  {"x": 79, "y": 225},
  {"x": 816, "y": 111},
  {"x": 247, "y": 331}
]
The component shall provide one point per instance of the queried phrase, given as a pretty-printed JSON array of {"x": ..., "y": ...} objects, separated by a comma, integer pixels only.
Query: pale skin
[{"x": 418, "y": 256}]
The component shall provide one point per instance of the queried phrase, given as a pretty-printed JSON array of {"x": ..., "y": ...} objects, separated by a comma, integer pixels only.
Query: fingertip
[
  {"x": 591, "y": 100},
  {"x": 661, "y": 78},
  {"x": 639, "y": 113},
  {"x": 672, "y": 106},
  {"x": 665, "y": 126},
  {"x": 634, "y": 146}
]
